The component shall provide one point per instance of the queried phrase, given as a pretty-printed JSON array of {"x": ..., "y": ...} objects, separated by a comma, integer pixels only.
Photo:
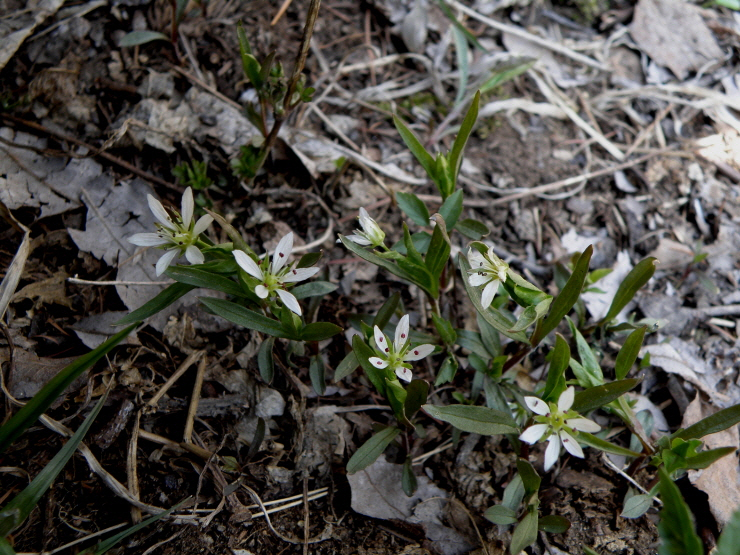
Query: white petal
[
  {"x": 583, "y": 425},
  {"x": 299, "y": 274},
  {"x": 566, "y": 399},
  {"x": 165, "y": 260},
  {"x": 261, "y": 291},
  {"x": 359, "y": 240},
  {"x": 282, "y": 252},
  {"x": 418, "y": 353},
  {"x": 537, "y": 405},
  {"x": 381, "y": 340},
  {"x": 148, "y": 240},
  {"x": 365, "y": 219},
  {"x": 475, "y": 258},
  {"x": 378, "y": 362},
  {"x": 248, "y": 265},
  {"x": 571, "y": 445},
  {"x": 160, "y": 213},
  {"x": 488, "y": 293},
  {"x": 404, "y": 373},
  {"x": 534, "y": 433},
  {"x": 194, "y": 256},
  {"x": 289, "y": 300},
  {"x": 187, "y": 207},
  {"x": 552, "y": 452},
  {"x": 402, "y": 333},
  {"x": 202, "y": 224},
  {"x": 477, "y": 279}
]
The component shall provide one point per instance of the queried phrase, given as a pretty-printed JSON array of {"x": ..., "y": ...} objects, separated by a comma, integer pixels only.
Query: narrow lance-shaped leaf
[
  {"x": 632, "y": 283},
  {"x": 371, "y": 449},
  {"x": 29, "y": 413},
  {"x": 592, "y": 375},
  {"x": 730, "y": 538},
  {"x": 265, "y": 360},
  {"x": 247, "y": 318},
  {"x": 415, "y": 146},
  {"x": 416, "y": 396},
  {"x": 408, "y": 478},
  {"x": 452, "y": 208},
  {"x": 525, "y": 533},
  {"x": 600, "y": 395},
  {"x": 318, "y": 331},
  {"x": 627, "y": 355},
  {"x": 636, "y": 506},
  {"x": 137, "y": 38},
  {"x": 554, "y": 524},
  {"x": 473, "y": 419},
  {"x": 313, "y": 289},
  {"x": 603, "y": 445},
  {"x": 466, "y": 128},
  {"x": 676, "y": 527},
  {"x": 720, "y": 420},
  {"x": 348, "y": 365},
  {"x": 439, "y": 249},
  {"x": 530, "y": 479},
  {"x": 387, "y": 310},
  {"x": 201, "y": 278},
  {"x": 565, "y": 300},
  {"x": 250, "y": 65},
  {"x": 20, "y": 507},
  {"x": 163, "y": 299},
  {"x": 707, "y": 458},
  {"x": 472, "y": 229},
  {"x": 317, "y": 374},
  {"x": 555, "y": 384},
  {"x": 363, "y": 353},
  {"x": 501, "y": 515}
]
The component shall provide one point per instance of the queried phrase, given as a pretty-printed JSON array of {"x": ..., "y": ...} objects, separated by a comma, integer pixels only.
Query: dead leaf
[
  {"x": 30, "y": 373},
  {"x": 22, "y": 23},
  {"x": 15, "y": 270},
  {"x": 674, "y": 35},
  {"x": 720, "y": 480},
  {"x": 47, "y": 291}
]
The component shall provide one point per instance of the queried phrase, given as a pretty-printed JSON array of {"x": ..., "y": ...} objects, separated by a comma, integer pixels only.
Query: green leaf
[
  {"x": 309, "y": 259},
  {"x": 318, "y": 331},
  {"x": 5, "y": 548},
  {"x": 414, "y": 256},
  {"x": 605, "y": 446},
  {"x": 136, "y": 38},
  {"x": 498, "y": 514},
  {"x": 372, "y": 449},
  {"x": 720, "y": 420},
  {"x": 497, "y": 320},
  {"x": 676, "y": 527},
  {"x": 505, "y": 72},
  {"x": 706, "y": 458},
  {"x": 636, "y": 506},
  {"x": 445, "y": 329},
  {"x": 348, "y": 365},
  {"x": 600, "y": 395},
  {"x": 110, "y": 543},
  {"x": 525, "y": 534},
  {"x": 463, "y": 65},
  {"x": 163, "y": 299},
  {"x": 447, "y": 371},
  {"x": 439, "y": 251},
  {"x": 414, "y": 208},
  {"x": 472, "y": 229},
  {"x": 633, "y": 282},
  {"x": 588, "y": 551},
  {"x": 473, "y": 419},
  {"x": 236, "y": 237},
  {"x": 526, "y": 319},
  {"x": 246, "y": 318},
  {"x": 316, "y": 372},
  {"x": 554, "y": 524},
  {"x": 415, "y": 146},
  {"x": 265, "y": 360},
  {"x": 565, "y": 300},
  {"x": 452, "y": 208},
  {"x": 466, "y": 128},
  {"x": 592, "y": 374},
  {"x": 396, "y": 397},
  {"x": 530, "y": 479},
  {"x": 627, "y": 355},
  {"x": 250, "y": 65},
  {"x": 313, "y": 289},
  {"x": 420, "y": 275},
  {"x": 555, "y": 384},
  {"x": 29, "y": 413},
  {"x": 15, "y": 512},
  {"x": 489, "y": 336},
  {"x": 513, "y": 493},
  {"x": 408, "y": 478},
  {"x": 363, "y": 353},
  {"x": 416, "y": 396},
  {"x": 386, "y": 311},
  {"x": 730, "y": 539},
  {"x": 197, "y": 277}
]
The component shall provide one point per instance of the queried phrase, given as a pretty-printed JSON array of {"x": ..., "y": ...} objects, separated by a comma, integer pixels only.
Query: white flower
[
  {"x": 489, "y": 270},
  {"x": 394, "y": 356},
  {"x": 557, "y": 424},
  {"x": 371, "y": 233},
  {"x": 275, "y": 275},
  {"x": 176, "y": 233}
]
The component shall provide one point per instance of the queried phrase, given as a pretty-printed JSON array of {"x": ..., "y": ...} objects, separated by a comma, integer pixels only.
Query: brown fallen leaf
[{"x": 47, "y": 291}]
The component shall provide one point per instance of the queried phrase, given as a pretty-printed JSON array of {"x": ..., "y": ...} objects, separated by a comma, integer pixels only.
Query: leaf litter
[{"x": 662, "y": 205}]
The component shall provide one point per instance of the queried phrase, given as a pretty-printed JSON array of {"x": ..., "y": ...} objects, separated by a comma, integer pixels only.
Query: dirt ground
[{"x": 86, "y": 126}]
